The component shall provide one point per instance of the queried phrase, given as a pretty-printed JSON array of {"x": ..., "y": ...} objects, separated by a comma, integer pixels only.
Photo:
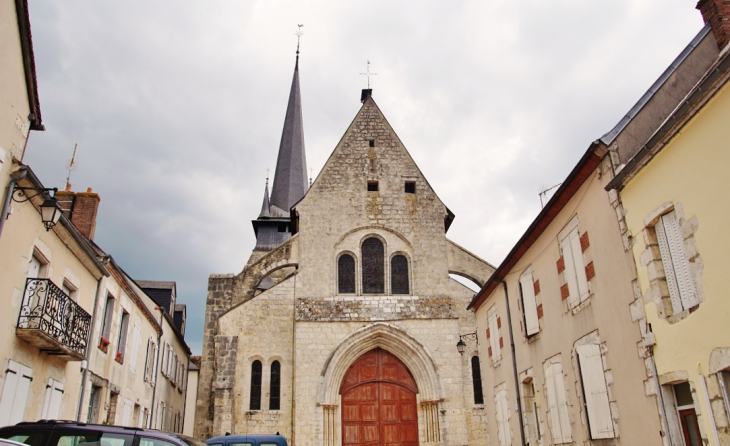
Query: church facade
[{"x": 342, "y": 327}]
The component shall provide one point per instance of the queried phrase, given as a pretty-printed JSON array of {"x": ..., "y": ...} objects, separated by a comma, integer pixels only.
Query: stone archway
[
  {"x": 414, "y": 356},
  {"x": 379, "y": 402}
]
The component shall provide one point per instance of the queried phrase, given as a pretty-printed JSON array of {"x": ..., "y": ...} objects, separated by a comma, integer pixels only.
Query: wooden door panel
[{"x": 379, "y": 402}]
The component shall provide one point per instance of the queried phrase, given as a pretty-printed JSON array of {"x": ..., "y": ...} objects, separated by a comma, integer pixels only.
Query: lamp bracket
[
  {"x": 20, "y": 194},
  {"x": 473, "y": 336}
]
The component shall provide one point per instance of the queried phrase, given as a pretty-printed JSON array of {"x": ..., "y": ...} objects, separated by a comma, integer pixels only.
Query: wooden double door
[{"x": 379, "y": 402}]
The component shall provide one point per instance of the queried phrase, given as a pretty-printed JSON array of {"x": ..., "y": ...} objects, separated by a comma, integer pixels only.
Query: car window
[
  {"x": 32, "y": 439},
  {"x": 189, "y": 441},
  {"x": 240, "y": 444},
  {"x": 90, "y": 438},
  {"x": 147, "y": 441},
  {"x": 268, "y": 444}
]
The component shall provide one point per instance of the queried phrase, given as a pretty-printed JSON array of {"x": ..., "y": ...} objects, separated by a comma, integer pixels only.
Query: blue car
[{"x": 247, "y": 440}]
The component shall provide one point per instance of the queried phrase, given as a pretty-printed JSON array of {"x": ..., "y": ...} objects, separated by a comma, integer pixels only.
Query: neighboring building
[
  {"x": 672, "y": 193},
  {"x": 341, "y": 329},
  {"x": 567, "y": 298},
  {"x": 191, "y": 395}
]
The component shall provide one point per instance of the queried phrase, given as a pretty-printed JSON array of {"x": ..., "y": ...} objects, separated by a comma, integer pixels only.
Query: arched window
[
  {"x": 399, "y": 275},
  {"x": 373, "y": 266},
  {"x": 255, "y": 401},
  {"x": 476, "y": 377},
  {"x": 275, "y": 386},
  {"x": 346, "y": 274}
]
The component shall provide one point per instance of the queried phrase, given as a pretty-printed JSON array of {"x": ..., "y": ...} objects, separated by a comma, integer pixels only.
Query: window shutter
[
  {"x": 505, "y": 419},
  {"x": 127, "y": 412},
  {"x": 500, "y": 416},
  {"x": 676, "y": 266},
  {"x": 135, "y": 348},
  {"x": 15, "y": 393},
  {"x": 54, "y": 393},
  {"x": 529, "y": 304},
  {"x": 595, "y": 391},
  {"x": 569, "y": 272},
  {"x": 562, "y": 399},
  {"x": 552, "y": 401},
  {"x": 579, "y": 265},
  {"x": 494, "y": 338}
]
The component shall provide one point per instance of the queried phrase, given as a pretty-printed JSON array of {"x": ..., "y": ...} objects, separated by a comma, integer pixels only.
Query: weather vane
[
  {"x": 299, "y": 34},
  {"x": 71, "y": 165},
  {"x": 368, "y": 74}
]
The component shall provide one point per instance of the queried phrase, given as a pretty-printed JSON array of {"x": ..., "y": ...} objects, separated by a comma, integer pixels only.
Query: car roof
[
  {"x": 64, "y": 424},
  {"x": 263, "y": 437}
]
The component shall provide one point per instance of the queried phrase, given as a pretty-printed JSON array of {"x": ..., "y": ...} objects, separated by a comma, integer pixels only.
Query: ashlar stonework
[{"x": 370, "y": 187}]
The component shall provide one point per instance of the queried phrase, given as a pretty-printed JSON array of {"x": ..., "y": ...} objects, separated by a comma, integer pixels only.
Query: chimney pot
[{"x": 717, "y": 14}]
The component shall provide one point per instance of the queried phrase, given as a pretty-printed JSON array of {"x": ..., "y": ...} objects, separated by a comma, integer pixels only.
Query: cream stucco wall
[
  {"x": 610, "y": 316},
  {"x": 690, "y": 174},
  {"x": 23, "y": 233}
]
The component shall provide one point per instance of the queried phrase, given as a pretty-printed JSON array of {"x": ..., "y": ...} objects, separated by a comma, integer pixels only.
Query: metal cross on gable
[
  {"x": 368, "y": 74},
  {"x": 299, "y": 34}
]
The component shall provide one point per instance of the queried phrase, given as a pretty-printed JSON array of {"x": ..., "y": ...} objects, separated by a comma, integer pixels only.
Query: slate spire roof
[
  {"x": 265, "y": 206},
  {"x": 290, "y": 178}
]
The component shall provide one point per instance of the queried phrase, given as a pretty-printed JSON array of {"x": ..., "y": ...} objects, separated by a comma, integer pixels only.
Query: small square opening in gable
[
  {"x": 372, "y": 186},
  {"x": 410, "y": 187},
  {"x": 372, "y": 143}
]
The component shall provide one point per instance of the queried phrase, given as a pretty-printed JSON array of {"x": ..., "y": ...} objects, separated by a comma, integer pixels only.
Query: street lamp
[
  {"x": 461, "y": 345},
  {"x": 50, "y": 209}
]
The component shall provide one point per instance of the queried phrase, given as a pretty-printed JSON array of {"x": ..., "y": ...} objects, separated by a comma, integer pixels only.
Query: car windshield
[{"x": 29, "y": 438}]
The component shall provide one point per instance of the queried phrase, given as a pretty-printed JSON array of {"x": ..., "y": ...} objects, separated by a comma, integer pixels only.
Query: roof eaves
[
  {"x": 685, "y": 109},
  {"x": 31, "y": 80},
  {"x": 609, "y": 137},
  {"x": 580, "y": 173}
]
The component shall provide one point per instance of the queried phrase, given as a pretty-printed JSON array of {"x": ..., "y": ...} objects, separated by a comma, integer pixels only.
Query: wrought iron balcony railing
[{"x": 50, "y": 320}]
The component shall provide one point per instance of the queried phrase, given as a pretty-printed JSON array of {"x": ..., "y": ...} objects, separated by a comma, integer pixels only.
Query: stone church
[{"x": 342, "y": 327}]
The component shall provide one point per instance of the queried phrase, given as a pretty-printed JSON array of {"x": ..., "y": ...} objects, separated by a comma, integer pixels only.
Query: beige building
[
  {"x": 191, "y": 396},
  {"x": 561, "y": 322},
  {"x": 672, "y": 193},
  {"x": 342, "y": 327}
]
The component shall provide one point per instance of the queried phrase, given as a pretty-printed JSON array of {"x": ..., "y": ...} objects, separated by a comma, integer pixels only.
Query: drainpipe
[
  {"x": 87, "y": 355},
  {"x": 514, "y": 363},
  {"x": 14, "y": 178},
  {"x": 156, "y": 369}
]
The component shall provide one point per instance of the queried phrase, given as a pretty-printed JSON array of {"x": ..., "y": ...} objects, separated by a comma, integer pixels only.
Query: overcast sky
[{"x": 177, "y": 108}]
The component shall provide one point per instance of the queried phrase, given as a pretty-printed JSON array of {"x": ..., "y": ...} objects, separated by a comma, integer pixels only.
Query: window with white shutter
[
  {"x": 15, "y": 393},
  {"x": 574, "y": 272},
  {"x": 558, "y": 413},
  {"x": 495, "y": 351},
  {"x": 134, "y": 351},
  {"x": 502, "y": 415},
  {"x": 52, "y": 404},
  {"x": 529, "y": 303},
  {"x": 679, "y": 278},
  {"x": 595, "y": 392}
]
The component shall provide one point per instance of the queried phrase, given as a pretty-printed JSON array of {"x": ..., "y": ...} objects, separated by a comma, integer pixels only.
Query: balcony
[{"x": 51, "y": 321}]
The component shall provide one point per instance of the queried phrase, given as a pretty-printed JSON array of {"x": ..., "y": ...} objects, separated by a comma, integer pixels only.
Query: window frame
[
  {"x": 530, "y": 315},
  {"x": 365, "y": 284},
  {"x": 254, "y": 401},
  {"x": 407, "y": 260},
  {"x": 677, "y": 272},
  {"x": 354, "y": 272}
]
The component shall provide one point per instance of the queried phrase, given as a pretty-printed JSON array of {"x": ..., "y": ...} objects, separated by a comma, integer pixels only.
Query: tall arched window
[
  {"x": 255, "y": 401},
  {"x": 399, "y": 275},
  {"x": 346, "y": 274},
  {"x": 275, "y": 386},
  {"x": 476, "y": 377},
  {"x": 373, "y": 266}
]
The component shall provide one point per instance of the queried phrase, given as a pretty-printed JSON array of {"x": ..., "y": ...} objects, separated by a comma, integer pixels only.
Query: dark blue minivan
[{"x": 247, "y": 440}]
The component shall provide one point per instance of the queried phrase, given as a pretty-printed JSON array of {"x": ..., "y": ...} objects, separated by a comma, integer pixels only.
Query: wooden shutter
[
  {"x": 679, "y": 278},
  {"x": 52, "y": 404},
  {"x": 126, "y": 416},
  {"x": 494, "y": 337},
  {"x": 135, "y": 348},
  {"x": 595, "y": 391},
  {"x": 529, "y": 305},
  {"x": 562, "y": 399},
  {"x": 15, "y": 393},
  {"x": 502, "y": 417},
  {"x": 569, "y": 272},
  {"x": 552, "y": 401}
]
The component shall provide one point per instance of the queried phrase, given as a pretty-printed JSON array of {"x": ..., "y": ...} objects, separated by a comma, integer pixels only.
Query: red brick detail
[
  {"x": 488, "y": 332},
  {"x": 501, "y": 342},
  {"x": 717, "y": 14},
  {"x": 539, "y": 311},
  {"x": 80, "y": 208},
  {"x": 590, "y": 271},
  {"x": 490, "y": 351},
  {"x": 536, "y": 285},
  {"x": 564, "y": 293},
  {"x": 499, "y": 322},
  {"x": 561, "y": 265},
  {"x": 584, "y": 243}
]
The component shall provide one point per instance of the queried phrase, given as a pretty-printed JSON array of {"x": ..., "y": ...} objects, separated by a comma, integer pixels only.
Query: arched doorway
[{"x": 379, "y": 402}]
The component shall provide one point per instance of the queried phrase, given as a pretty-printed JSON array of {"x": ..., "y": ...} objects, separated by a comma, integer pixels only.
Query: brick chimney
[
  {"x": 717, "y": 14},
  {"x": 80, "y": 208}
]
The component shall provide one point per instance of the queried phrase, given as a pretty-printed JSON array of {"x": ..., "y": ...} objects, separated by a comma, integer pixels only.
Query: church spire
[
  {"x": 265, "y": 206},
  {"x": 290, "y": 177}
]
